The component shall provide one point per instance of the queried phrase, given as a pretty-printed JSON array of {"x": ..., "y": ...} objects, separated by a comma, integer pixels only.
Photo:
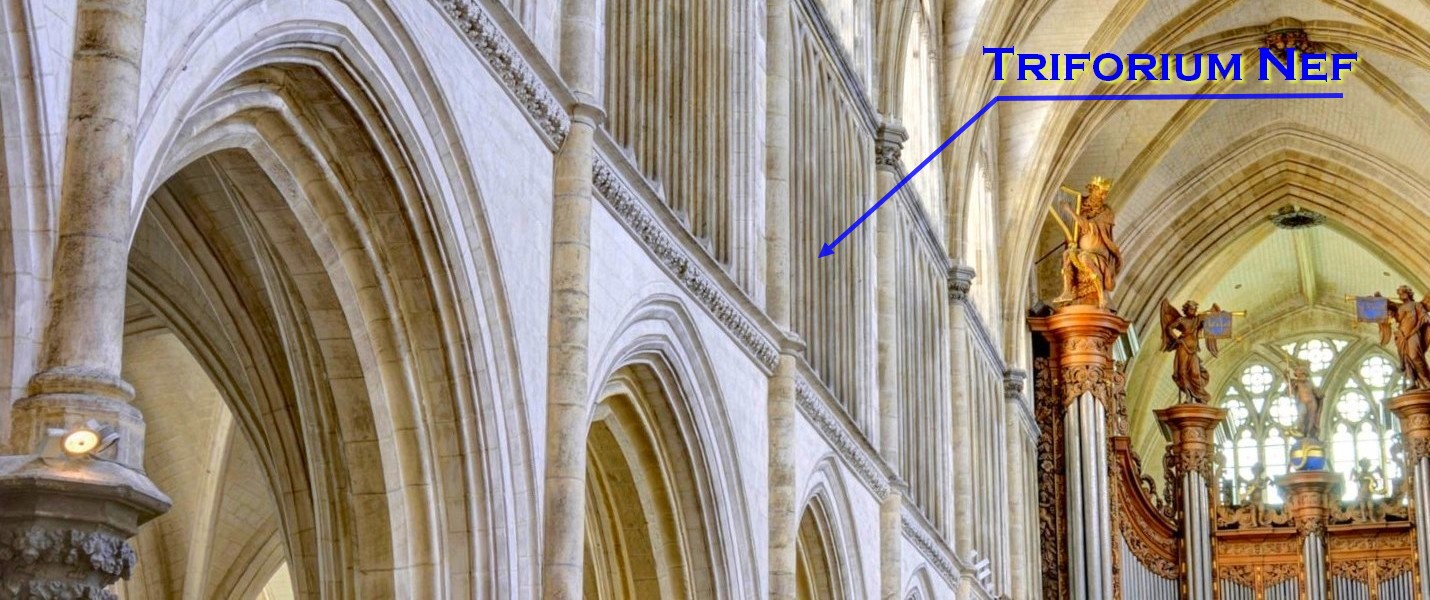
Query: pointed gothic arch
[
  {"x": 319, "y": 245},
  {"x": 659, "y": 457},
  {"x": 827, "y": 561}
]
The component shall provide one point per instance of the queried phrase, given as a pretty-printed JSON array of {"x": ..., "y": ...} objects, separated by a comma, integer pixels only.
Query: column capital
[
  {"x": 960, "y": 280},
  {"x": 1193, "y": 429},
  {"x": 1081, "y": 339},
  {"x": 587, "y": 112},
  {"x": 889, "y": 145},
  {"x": 1013, "y": 381},
  {"x": 1413, "y": 409},
  {"x": 1309, "y": 501}
]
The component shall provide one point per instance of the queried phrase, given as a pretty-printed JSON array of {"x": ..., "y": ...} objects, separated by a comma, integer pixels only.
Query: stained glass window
[{"x": 1356, "y": 379}]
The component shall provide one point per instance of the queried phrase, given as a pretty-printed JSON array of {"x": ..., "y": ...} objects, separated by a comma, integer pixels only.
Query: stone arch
[
  {"x": 920, "y": 585},
  {"x": 660, "y": 459},
  {"x": 362, "y": 319},
  {"x": 827, "y": 563}
]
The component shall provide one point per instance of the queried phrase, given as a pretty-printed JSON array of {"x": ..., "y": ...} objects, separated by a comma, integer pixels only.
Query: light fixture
[
  {"x": 81, "y": 442},
  {"x": 87, "y": 440}
]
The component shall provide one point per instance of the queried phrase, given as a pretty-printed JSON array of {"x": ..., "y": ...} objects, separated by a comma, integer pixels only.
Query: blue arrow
[{"x": 828, "y": 248}]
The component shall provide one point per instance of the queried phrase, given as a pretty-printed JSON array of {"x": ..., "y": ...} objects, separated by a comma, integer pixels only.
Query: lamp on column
[{"x": 90, "y": 440}]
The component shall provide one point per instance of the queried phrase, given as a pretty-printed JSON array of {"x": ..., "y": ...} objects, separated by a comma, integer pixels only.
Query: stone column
[
  {"x": 568, "y": 379},
  {"x": 783, "y": 518},
  {"x": 1081, "y": 340},
  {"x": 1309, "y": 502},
  {"x": 960, "y": 279},
  {"x": 65, "y": 516},
  {"x": 1413, "y": 410},
  {"x": 889, "y": 143},
  {"x": 1022, "y": 500},
  {"x": 1193, "y": 473}
]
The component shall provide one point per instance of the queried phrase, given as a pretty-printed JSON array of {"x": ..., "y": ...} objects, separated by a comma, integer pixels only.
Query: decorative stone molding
[
  {"x": 40, "y": 562},
  {"x": 889, "y": 146},
  {"x": 934, "y": 551},
  {"x": 511, "y": 68},
  {"x": 629, "y": 209},
  {"x": 860, "y": 459},
  {"x": 960, "y": 280}
]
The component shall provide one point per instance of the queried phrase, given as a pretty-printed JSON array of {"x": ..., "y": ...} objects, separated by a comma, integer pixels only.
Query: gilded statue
[
  {"x": 1309, "y": 400},
  {"x": 1182, "y": 333},
  {"x": 1369, "y": 481},
  {"x": 1092, "y": 258},
  {"x": 1410, "y": 322},
  {"x": 1256, "y": 494}
]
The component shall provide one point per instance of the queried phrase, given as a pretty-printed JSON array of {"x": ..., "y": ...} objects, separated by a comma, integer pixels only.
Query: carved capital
[
  {"x": 39, "y": 561},
  {"x": 1413, "y": 410},
  {"x": 1081, "y": 339},
  {"x": 889, "y": 146},
  {"x": 1193, "y": 442},
  {"x": 960, "y": 280},
  {"x": 1013, "y": 380},
  {"x": 1309, "y": 501}
]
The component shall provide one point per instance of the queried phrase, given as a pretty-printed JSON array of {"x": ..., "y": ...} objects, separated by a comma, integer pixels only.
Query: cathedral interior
[{"x": 699, "y": 299}]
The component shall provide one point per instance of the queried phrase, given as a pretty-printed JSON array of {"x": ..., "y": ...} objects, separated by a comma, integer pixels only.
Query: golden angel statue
[
  {"x": 1308, "y": 399},
  {"x": 1092, "y": 258},
  {"x": 1410, "y": 322},
  {"x": 1255, "y": 494},
  {"x": 1369, "y": 482},
  {"x": 1181, "y": 333}
]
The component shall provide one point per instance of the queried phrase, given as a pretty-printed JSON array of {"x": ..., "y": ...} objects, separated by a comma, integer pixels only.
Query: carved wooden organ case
[{"x": 1369, "y": 552}]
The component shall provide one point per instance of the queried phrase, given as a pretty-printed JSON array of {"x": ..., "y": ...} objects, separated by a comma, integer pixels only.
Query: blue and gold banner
[
  {"x": 1217, "y": 324},
  {"x": 1371, "y": 309}
]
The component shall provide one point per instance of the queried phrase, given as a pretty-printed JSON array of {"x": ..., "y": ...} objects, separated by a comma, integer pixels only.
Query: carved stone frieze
[
  {"x": 41, "y": 562},
  {"x": 931, "y": 550},
  {"x": 858, "y": 458},
  {"x": 511, "y": 68},
  {"x": 637, "y": 218}
]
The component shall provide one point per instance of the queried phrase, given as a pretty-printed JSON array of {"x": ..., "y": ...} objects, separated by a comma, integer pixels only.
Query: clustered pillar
[
  {"x": 1193, "y": 474},
  {"x": 66, "y": 510}
]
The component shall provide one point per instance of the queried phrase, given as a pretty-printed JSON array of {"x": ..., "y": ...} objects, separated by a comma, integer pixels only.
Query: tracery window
[{"x": 1356, "y": 378}]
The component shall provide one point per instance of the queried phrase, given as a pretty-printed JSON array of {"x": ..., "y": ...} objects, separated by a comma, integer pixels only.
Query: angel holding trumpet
[
  {"x": 1409, "y": 323},
  {"x": 1182, "y": 333}
]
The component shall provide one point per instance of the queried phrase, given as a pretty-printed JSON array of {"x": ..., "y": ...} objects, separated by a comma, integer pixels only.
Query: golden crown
[{"x": 1101, "y": 183}]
